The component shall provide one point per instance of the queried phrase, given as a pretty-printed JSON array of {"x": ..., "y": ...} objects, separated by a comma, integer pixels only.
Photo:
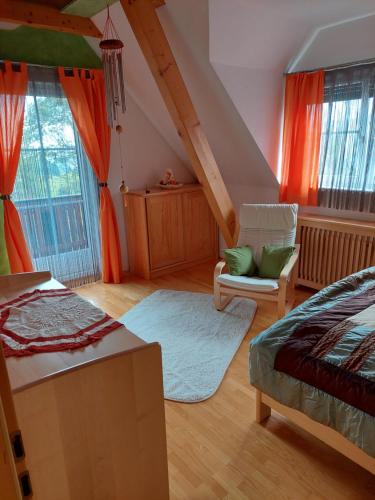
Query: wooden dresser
[
  {"x": 92, "y": 419},
  {"x": 169, "y": 230}
]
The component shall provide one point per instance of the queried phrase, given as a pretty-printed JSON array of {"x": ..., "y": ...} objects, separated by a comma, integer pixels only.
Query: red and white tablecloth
[{"x": 51, "y": 320}]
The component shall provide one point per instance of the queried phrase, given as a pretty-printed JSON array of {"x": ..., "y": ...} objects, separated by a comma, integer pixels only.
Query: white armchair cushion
[
  {"x": 272, "y": 217},
  {"x": 248, "y": 283},
  {"x": 262, "y": 225}
]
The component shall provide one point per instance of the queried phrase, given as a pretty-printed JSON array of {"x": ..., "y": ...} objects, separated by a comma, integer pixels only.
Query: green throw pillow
[
  {"x": 240, "y": 261},
  {"x": 273, "y": 260}
]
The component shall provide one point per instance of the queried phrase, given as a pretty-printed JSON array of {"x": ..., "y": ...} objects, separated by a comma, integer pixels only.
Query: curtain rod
[
  {"x": 69, "y": 68},
  {"x": 2, "y": 61},
  {"x": 333, "y": 68}
]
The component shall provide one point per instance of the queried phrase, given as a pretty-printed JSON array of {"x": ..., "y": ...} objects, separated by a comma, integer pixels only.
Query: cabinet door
[
  {"x": 201, "y": 234},
  {"x": 165, "y": 230},
  {"x": 10, "y": 487}
]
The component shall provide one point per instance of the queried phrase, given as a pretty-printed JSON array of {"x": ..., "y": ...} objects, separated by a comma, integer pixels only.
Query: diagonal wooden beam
[
  {"x": 158, "y": 3},
  {"x": 44, "y": 16},
  {"x": 155, "y": 47}
]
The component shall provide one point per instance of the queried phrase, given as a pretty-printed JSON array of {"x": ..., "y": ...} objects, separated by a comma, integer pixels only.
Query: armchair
[{"x": 262, "y": 225}]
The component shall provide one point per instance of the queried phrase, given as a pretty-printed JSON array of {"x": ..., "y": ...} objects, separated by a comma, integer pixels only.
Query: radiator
[{"x": 332, "y": 249}]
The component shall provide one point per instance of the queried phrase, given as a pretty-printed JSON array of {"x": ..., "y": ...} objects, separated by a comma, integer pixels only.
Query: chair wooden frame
[{"x": 284, "y": 296}]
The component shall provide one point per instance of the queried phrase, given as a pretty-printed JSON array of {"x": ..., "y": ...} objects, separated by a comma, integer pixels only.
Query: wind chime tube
[
  {"x": 121, "y": 80},
  {"x": 111, "y": 47},
  {"x": 115, "y": 86},
  {"x": 111, "y": 85},
  {"x": 107, "y": 90},
  {"x": 114, "y": 69}
]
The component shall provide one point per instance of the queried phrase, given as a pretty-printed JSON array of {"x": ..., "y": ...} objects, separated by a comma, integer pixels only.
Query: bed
[{"x": 316, "y": 367}]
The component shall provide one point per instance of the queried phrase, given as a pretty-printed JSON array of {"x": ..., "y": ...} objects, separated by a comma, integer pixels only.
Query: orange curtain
[
  {"x": 304, "y": 94},
  {"x": 86, "y": 96},
  {"x": 13, "y": 85}
]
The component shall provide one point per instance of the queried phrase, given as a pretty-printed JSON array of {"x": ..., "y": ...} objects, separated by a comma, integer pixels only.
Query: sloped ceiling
[
  {"x": 139, "y": 81},
  {"x": 268, "y": 34},
  {"x": 232, "y": 55},
  {"x": 252, "y": 43},
  {"x": 338, "y": 44},
  {"x": 186, "y": 25}
]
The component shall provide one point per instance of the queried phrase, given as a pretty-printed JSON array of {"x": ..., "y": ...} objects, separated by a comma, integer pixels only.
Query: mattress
[{"x": 320, "y": 359}]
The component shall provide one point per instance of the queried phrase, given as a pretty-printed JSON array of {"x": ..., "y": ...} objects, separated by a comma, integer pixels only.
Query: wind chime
[{"x": 111, "y": 47}]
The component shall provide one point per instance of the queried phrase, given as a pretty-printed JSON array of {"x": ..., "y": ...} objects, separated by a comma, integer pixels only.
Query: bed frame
[{"x": 264, "y": 404}]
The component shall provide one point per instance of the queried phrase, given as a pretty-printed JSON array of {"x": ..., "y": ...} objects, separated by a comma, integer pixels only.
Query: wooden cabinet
[
  {"x": 169, "y": 230},
  {"x": 92, "y": 419},
  {"x": 165, "y": 230},
  {"x": 201, "y": 236}
]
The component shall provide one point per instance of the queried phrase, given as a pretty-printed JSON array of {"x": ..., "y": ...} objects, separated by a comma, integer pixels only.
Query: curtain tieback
[
  {"x": 5, "y": 197},
  {"x": 103, "y": 184}
]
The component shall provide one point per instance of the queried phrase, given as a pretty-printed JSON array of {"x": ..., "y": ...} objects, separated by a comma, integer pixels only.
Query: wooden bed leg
[{"x": 262, "y": 411}]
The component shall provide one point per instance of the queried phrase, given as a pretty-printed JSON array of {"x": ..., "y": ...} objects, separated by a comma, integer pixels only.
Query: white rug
[{"x": 198, "y": 342}]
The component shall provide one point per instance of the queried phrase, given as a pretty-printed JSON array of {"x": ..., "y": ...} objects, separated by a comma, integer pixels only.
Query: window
[
  {"x": 56, "y": 192},
  {"x": 347, "y": 153}
]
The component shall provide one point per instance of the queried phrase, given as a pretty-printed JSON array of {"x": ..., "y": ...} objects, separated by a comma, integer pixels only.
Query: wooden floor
[{"x": 215, "y": 448}]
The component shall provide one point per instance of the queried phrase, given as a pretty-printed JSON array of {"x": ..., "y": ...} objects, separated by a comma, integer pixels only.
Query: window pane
[
  {"x": 347, "y": 157},
  {"x": 56, "y": 122},
  {"x": 31, "y": 137},
  {"x": 56, "y": 193}
]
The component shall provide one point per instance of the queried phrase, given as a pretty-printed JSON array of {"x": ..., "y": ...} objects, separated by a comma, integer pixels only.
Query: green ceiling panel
[
  {"x": 49, "y": 48},
  {"x": 86, "y": 8}
]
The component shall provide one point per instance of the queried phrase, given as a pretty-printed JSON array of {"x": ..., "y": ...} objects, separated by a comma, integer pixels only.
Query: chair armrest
[
  {"x": 219, "y": 268},
  {"x": 289, "y": 266}
]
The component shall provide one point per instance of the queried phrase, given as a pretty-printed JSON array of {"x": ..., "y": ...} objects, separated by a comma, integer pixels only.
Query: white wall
[
  {"x": 239, "y": 157},
  {"x": 240, "y": 160},
  {"x": 146, "y": 155},
  {"x": 186, "y": 25},
  {"x": 343, "y": 43},
  {"x": 257, "y": 94},
  {"x": 253, "y": 42},
  {"x": 139, "y": 82},
  {"x": 334, "y": 45},
  {"x": 239, "y": 107}
]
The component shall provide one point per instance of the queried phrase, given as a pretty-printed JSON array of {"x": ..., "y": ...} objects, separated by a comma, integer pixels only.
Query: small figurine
[{"x": 169, "y": 178}]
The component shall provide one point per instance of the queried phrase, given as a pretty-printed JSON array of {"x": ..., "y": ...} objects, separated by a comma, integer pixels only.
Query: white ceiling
[
  {"x": 338, "y": 44},
  {"x": 268, "y": 33}
]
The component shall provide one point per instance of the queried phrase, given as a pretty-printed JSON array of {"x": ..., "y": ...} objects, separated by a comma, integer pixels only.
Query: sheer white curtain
[
  {"x": 347, "y": 155},
  {"x": 56, "y": 192}
]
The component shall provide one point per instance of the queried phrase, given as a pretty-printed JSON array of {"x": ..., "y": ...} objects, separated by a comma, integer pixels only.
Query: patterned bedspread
[
  {"x": 320, "y": 358},
  {"x": 334, "y": 349}
]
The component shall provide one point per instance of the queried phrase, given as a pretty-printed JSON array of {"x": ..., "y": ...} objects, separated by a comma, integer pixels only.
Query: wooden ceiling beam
[
  {"x": 158, "y": 54},
  {"x": 44, "y": 16},
  {"x": 158, "y": 3}
]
